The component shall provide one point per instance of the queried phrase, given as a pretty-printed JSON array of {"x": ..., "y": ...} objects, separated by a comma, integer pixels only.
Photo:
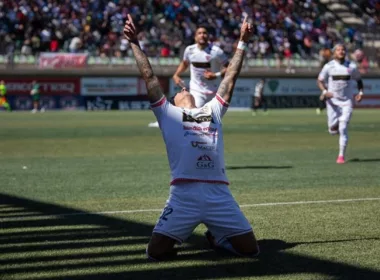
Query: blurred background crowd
[{"x": 283, "y": 28}]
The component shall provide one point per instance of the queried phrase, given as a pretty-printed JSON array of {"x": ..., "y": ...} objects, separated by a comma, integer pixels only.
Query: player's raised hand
[
  {"x": 246, "y": 30},
  {"x": 130, "y": 29}
]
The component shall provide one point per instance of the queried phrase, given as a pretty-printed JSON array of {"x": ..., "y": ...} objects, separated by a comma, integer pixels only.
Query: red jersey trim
[
  {"x": 183, "y": 180},
  {"x": 221, "y": 100},
  {"x": 158, "y": 103}
]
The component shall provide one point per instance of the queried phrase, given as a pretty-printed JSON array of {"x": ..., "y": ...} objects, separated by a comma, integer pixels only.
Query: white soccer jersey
[
  {"x": 194, "y": 140},
  {"x": 258, "y": 88},
  {"x": 211, "y": 58},
  {"x": 340, "y": 79}
]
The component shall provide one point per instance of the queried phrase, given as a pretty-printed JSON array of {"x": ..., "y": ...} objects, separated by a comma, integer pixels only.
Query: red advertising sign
[
  {"x": 62, "y": 60},
  {"x": 49, "y": 86}
]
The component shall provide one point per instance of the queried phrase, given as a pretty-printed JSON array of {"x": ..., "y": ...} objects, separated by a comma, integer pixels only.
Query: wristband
[
  {"x": 218, "y": 74},
  {"x": 242, "y": 45},
  {"x": 324, "y": 91},
  {"x": 361, "y": 92}
]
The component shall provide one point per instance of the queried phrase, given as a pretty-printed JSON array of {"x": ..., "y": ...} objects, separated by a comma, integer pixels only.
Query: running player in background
[
  {"x": 208, "y": 63},
  {"x": 258, "y": 99},
  {"x": 193, "y": 136},
  {"x": 339, "y": 95},
  {"x": 35, "y": 93},
  {"x": 3, "y": 100}
]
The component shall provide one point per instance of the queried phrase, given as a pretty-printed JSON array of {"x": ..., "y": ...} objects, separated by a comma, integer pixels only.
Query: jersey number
[{"x": 167, "y": 211}]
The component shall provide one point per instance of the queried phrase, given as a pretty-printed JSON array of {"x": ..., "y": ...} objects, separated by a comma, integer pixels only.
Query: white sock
[
  {"x": 342, "y": 150},
  {"x": 343, "y": 138}
]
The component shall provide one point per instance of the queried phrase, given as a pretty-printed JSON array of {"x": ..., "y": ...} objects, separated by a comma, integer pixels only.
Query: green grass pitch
[{"x": 71, "y": 185}]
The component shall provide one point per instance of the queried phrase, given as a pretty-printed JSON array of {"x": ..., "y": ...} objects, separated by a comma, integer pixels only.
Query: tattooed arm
[
  {"x": 227, "y": 85},
  {"x": 152, "y": 84}
]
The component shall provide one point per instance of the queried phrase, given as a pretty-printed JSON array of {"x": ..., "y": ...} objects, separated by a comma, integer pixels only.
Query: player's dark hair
[{"x": 202, "y": 26}]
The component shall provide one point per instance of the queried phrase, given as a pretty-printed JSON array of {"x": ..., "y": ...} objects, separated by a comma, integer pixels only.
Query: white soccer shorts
[
  {"x": 191, "y": 204},
  {"x": 338, "y": 111}
]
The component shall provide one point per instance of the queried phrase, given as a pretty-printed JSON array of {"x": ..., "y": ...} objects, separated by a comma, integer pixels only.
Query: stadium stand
[{"x": 286, "y": 31}]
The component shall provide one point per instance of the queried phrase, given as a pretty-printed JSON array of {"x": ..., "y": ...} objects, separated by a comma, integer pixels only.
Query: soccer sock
[{"x": 343, "y": 138}]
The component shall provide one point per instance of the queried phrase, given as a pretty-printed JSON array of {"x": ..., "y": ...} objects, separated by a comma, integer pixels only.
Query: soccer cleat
[
  {"x": 340, "y": 160},
  {"x": 153, "y": 124}
]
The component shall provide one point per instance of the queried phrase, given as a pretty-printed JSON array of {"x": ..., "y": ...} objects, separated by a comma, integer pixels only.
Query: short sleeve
[
  {"x": 186, "y": 54},
  {"x": 160, "y": 108},
  {"x": 218, "y": 107},
  {"x": 323, "y": 75},
  {"x": 355, "y": 73},
  {"x": 222, "y": 57}
]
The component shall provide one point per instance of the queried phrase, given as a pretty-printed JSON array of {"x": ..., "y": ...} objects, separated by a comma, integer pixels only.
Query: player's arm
[
  {"x": 182, "y": 67},
  {"x": 322, "y": 77},
  {"x": 212, "y": 76},
  {"x": 359, "y": 81},
  {"x": 152, "y": 84},
  {"x": 226, "y": 87}
]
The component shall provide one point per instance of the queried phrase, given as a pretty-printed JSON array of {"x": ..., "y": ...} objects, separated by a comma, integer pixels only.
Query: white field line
[{"x": 159, "y": 210}]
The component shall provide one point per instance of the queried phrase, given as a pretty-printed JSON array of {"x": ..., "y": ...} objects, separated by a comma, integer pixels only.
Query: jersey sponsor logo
[
  {"x": 203, "y": 146},
  {"x": 200, "y": 119},
  {"x": 200, "y": 134},
  {"x": 341, "y": 77},
  {"x": 201, "y": 64},
  {"x": 205, "y": 162}
]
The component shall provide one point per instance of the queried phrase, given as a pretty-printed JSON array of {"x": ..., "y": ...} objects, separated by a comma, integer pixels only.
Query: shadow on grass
[
  {"x": 365, "y": 160},
  {"x": 92, "y": 246},
  {"x": 259, "y": 167}
]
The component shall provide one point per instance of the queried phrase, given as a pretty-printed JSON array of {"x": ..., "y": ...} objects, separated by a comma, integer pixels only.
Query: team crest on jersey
[
  {"x": 208, "y": 57},
  {"x": 205, "y": 162},
  {"x": 200, "y": 119}
]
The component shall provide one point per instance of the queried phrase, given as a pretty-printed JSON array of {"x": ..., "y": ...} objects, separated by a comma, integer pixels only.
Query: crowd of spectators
[{"x": 283, "y": 28}]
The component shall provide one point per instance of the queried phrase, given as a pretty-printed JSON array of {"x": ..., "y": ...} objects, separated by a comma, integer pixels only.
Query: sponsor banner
[
  {"x": 164, "y": 82},
  {"x": 110, "y": 86},
  {"x": 48, "y": 86},
  {"x": 291, "y": 87},
  {"x": 369, "y": 101},
  {"x": 117, "y": 86},
  {"x": 371, "y": 86},
  {"x": 62, "y": 60},
  {"x": 308, "y": 87},
  {"x": 243, "y": 86},
  {"x": 48, "y": 102},
  {"x": 101, "y": 103}
]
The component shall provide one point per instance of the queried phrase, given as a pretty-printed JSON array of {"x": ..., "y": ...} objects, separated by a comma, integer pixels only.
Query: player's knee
[
  {"x": 250, "y": 250},
  {"x": 245, "y": 245},
  {"x": 160, "y": 248}
]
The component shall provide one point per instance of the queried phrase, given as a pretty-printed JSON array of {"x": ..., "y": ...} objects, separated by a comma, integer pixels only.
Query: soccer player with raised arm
[
  {"x": 193, "y": 136},
  {"x": 340, "y": 75},
  {"x": 208, "y": 63}
]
